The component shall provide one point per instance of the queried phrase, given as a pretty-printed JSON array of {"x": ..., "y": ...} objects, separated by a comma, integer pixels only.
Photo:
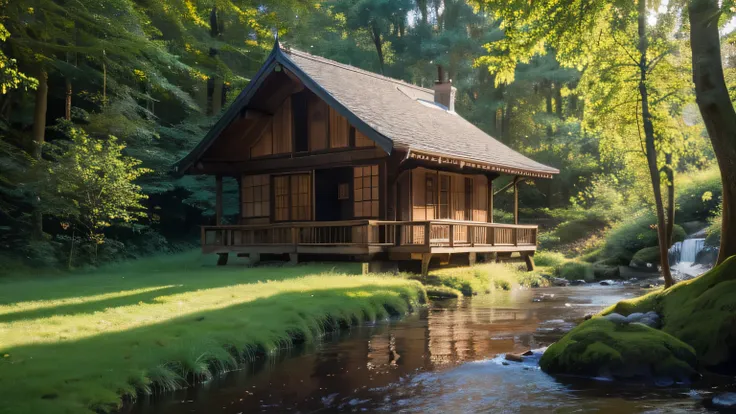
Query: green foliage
[
  {"x": 713, "y": 234},
  {"x": 483, "y": 278},
  {"x": 647, "y": 255},
  {"x": 83, "y": 342},
  {"x": 699, "y": 195},
  {"x": 576, "y": 271},
  {"x": 442, "y": 292},
  {"x": 549, "y": 259},
  {"x": 633, "y": 235},
  {"x": 96, "y": 181}
]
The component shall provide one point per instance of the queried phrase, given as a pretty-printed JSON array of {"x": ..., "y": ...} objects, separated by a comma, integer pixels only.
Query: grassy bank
[
  {"x": 79, "y": 343},
  {"x": 481, "y": 278}
]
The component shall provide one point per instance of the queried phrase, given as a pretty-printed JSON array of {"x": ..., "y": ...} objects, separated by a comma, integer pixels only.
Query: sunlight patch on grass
[{"x": 88, "y": 339}]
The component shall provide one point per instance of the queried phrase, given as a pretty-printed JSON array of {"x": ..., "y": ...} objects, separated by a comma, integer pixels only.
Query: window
[
  {"x": 301, "y": 206},
  {"x": 292, "y": 197},
  {"x": 281, "y": 198},
  {"x": 255, "y": 192},
  {"x": 430, "y": 194},
  {"x": 365, "y": 190},
  {"x": 444, "y": 200},
  {"x": 469, "y": 187}
]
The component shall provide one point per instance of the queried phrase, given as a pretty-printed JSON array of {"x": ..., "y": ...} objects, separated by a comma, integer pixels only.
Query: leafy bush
[
  {"x": 699, "y": 195},
  {"x": 575, "y": 230},
  {"x": 549, "y": 259},
  {"x": 713, "y": 234},
  {"x": 630, "y": 236},
  {"x": 576, "y": 271},
  {"x": 647, "y": 255}
]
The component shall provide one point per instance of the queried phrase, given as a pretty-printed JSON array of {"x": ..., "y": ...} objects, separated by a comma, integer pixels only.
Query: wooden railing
[{"x": 427, "y": 234}]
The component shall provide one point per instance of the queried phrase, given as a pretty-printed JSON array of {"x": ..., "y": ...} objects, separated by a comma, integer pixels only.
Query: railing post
[
  {"x": 515, "y": 232},
  {"x": 397, "y": 234},
  {"x": 427, "y": 230},
  {"x": 295, "y": 236},
  {"x": 492, "y": 236},
  {"x": 452, "y": 235},
  {"x": 471, "y": 235}
]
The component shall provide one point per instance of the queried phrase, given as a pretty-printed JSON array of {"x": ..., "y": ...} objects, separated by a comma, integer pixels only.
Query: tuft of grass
[
  {"x": 443, "y": 292},
  {"x": 549, "y": 259},
  {"x": 484, "y": 278},
  {"x": 81, "y": 342},
  {"x": 576, "y": 271}
]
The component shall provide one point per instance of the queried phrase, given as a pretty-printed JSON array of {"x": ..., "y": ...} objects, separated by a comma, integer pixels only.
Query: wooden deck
[{"x": 367, "y": 237}]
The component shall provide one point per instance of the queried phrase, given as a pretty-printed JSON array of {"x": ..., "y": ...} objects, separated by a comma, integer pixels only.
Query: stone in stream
[
  {"x": 514, "y": 357},
  {"x": 558, "y": 281},
  {"x": 528, "y": 353},
  {"x": 607, "y": 282},
  {"x": 579, "y": 282}
]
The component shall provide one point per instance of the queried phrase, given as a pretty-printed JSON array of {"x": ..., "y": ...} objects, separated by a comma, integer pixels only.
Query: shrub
[
  {"x": 575, "y": 230},
  {"x": 630, "y": 236},
  {"x": 576, "y": 271},
  {"x": 713, "y": 234},
  {"x": 699, "y": 195},
  {"x": 647, "y": 255},
  {"x": 549, "y": 259}
]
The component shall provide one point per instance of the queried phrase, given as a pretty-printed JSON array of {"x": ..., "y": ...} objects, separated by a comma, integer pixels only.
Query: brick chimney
[{"x": 444, "y": 92}]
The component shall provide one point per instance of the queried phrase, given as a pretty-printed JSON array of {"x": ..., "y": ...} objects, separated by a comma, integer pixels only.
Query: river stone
[
  {"x": 578, "y": 282},
  {"x": 607, "y": 282},
  {"x": 600, "y": 347},
  {"x": 616, "y": 318},
  {"x": 557, "y": 281}
]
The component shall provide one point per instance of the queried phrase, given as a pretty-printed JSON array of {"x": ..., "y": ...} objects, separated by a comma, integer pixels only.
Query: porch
[{"x": 371, "y": 238}]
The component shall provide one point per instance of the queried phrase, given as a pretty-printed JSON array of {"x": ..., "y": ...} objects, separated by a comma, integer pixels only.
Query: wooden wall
[
  {"x": 425, "y": 201},
  {"x": 326, "y": 129}
]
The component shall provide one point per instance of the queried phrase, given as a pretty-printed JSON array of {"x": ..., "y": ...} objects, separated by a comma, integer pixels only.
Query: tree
[
  {"x": 582, "y": 36},
  {"x": 715, "y": 106},
  {"x": 95, "y": 181}
]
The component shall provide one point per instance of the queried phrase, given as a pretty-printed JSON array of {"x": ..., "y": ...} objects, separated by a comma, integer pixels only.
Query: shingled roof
[{"x": 393, "y": 113}]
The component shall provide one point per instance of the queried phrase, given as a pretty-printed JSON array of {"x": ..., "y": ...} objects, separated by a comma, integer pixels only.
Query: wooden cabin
[{"x": 334, "y": 160}]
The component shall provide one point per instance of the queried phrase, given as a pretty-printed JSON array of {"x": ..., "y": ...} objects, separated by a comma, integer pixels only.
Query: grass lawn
[{"x": 78, "y": 343}]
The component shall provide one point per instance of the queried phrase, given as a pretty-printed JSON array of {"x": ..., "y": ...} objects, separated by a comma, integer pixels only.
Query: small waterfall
[{"x": 686, "y": 251}]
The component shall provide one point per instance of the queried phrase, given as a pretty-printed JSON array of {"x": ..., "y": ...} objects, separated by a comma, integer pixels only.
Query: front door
[{"x": 292, "y": 197}]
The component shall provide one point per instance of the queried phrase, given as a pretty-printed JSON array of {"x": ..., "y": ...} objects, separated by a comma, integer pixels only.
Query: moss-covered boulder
[
  {"x": 624, "y": 351},
  {"x": 700, "y": 312}
]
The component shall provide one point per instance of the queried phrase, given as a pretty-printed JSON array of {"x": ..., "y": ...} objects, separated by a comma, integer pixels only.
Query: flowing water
[{"x": 439, "y": 360}]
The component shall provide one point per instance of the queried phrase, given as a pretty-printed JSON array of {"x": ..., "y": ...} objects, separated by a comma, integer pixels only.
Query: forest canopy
[{"x": 135, "y": 84}]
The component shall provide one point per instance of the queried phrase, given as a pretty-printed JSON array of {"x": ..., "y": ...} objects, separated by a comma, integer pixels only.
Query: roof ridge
[{"x": 352, "y": 68}]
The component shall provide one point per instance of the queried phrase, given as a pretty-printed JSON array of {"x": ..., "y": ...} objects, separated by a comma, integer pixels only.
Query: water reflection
[{"x": 424, "y": 364}]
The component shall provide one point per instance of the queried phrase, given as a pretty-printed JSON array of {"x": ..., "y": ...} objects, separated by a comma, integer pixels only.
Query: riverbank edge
[
  {"x": 697, "y": 313},
  {"x": 217, "y": 367}
]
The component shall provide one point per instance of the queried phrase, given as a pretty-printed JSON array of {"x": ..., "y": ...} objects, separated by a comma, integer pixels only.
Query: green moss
[
  {"x": 701, "y": 312},
  {"x": 647, "y": 255},
  {"x": 576, "y": 271},
  {"x": 599, "y": 347}
]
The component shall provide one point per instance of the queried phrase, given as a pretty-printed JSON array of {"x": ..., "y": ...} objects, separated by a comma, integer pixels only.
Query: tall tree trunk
[
  {"x": 649, "y": 144},
  {"x": 716, "y": 109},
  {"x": 38, "y": 138},
  {"x": 548, "y": 99},
  {"x": 558, "y": 100},
  {"x": 68, "y": 99},
  {"x": 104, "y": 78},
  {"x": 670, "y": 172},
  {"x": 376, "y": 35}
]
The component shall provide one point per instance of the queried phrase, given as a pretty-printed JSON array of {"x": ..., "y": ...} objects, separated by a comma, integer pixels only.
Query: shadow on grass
[
  {"x": 92, "y": 306},
  {"x": 191, "y": 270},
  {"x": 89, "y": 375}
]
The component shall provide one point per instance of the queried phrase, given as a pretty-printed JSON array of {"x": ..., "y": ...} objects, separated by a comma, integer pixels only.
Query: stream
[{"x": 441, "y": 359}]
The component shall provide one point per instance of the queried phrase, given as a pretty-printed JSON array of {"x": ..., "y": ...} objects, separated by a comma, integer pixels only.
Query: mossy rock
[
  {"x": 603, "y": 272},
  {"x": 701, "y": 312},
  {"x": 602, "y": 348},
  {"x": 646, "y": 255}
]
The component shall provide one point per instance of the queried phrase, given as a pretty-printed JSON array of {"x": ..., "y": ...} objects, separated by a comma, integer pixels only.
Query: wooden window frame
[
  {"x": 289, "y": 199},
  {"x": 448, "y": 192},
  {"x": 374, "y": 175},
  {"x": 469, "y": 197},
  {"x": 256, "y": 187}
]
